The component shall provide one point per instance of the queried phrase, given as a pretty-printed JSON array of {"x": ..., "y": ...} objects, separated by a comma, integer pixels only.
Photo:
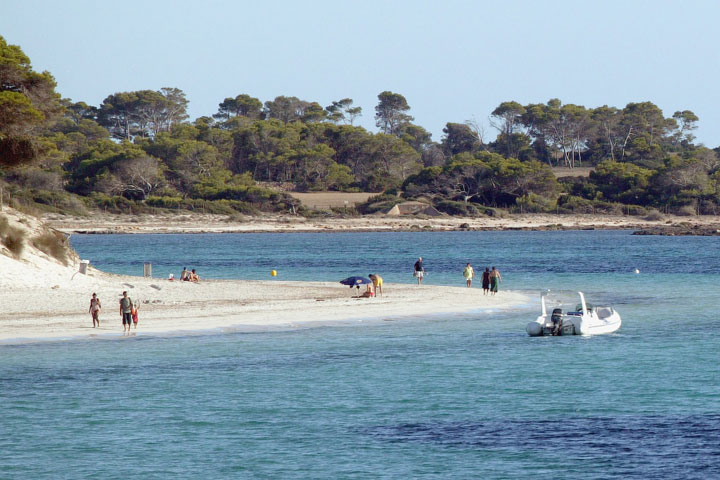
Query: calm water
[{"x": 463, "y": 396}]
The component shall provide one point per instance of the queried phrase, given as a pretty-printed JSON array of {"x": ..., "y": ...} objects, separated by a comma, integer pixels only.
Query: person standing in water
[
  {"x": 126, "y": 306},
  {"x": 495, "y": 280},
  {"x": 469, "y": 274},
  {"x": 95, "y": 308},
  {"x": 419, "y": 270},
  {"x": 486, "y": 281}
]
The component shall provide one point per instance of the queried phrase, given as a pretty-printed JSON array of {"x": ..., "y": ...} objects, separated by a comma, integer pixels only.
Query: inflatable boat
[{"x": 584, "y": 319}]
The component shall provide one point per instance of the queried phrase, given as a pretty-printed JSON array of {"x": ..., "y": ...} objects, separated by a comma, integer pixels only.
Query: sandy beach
[
  {"x": 53, "y": 304},
  {"x": 42, "y": 298},
  {"x": 206, "y": 223}
]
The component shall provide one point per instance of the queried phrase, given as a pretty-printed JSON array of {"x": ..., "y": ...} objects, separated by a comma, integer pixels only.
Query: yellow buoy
[{"x": 273, "y": 273}]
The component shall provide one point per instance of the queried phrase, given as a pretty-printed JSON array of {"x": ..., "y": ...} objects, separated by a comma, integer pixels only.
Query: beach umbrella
[{"x": 355, "y": 281}]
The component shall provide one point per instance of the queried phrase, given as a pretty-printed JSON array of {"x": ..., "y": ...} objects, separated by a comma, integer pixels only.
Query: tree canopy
[
  {"x": 138, "y": 148},
  {"x": 28, "y": 102}
]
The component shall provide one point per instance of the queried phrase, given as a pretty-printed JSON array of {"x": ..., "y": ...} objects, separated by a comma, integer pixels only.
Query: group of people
[
  {"x": 491, "y": 279},
  {"x": 128, "y": 311},
  {"x": 187, "y": 276}
]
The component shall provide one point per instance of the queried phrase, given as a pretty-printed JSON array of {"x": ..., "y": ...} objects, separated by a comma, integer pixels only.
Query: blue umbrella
[{"x": 355, "y": 281}]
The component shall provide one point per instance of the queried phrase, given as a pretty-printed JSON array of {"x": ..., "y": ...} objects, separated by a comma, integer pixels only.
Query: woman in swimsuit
[{"x": 95, "y": 308}]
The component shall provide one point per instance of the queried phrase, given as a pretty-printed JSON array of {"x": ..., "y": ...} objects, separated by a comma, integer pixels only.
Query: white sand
[
  {"x": 42, "y": 299},
  {"x": 197, "y": 223},
  {"x": 39, "y": 311}
]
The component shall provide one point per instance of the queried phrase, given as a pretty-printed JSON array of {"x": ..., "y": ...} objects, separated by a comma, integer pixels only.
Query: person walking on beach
[
  {"x": 377, "y": 282},
  {"x": 495, "y": 280},
  {"x": 469, "y": 274},
  {"x": 126, "y": 306},
  {"x": 486, "y": 281},
  {"x": 95, "y": 308},
  {"x": 134, "y": 313},
  {"x": 419, "y": 270}
]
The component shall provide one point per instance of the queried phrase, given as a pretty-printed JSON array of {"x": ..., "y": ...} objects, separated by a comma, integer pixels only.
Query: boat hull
[{"x": 574, "y": 325}]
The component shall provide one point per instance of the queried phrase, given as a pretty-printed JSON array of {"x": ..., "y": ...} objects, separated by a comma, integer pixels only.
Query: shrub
[
  {"x": 164, "y": 202},
  {"x": 686, "y": 211},
  {"x": 654, "y": 215},
  {"x": 312, "y": 213},
  {"x": 457, "y": 208},
  {"x": 635, "y": 210},
  {"x": 14, "y": 240},
  {"x": 573, "y": 204},
  {"x": 608, "y": 208},
  {"x": 114, "y": 204},
  {"x": 53, "y": 244},
  {"x": 345, "y": 211},
  {"x": 378, "y": 203},
  {"x": 494, "y": 212},
  {"x": 534, "y": 203}
]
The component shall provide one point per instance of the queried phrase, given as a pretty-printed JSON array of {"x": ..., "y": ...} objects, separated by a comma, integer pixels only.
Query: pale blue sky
[{"x": 452, "y": 60}]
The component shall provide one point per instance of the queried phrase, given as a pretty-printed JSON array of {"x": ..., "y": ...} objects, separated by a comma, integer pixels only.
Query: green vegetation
[{"x": 138, "y": 152}]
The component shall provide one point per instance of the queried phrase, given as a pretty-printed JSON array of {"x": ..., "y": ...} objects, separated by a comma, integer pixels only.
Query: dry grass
[
  {"x": 654, "y": 216},
  {"x": 686, "y": 211},
  {"x": 53, "y": 244},
  {"x": 13, "y": 238},
  {"x": 572, "y": 172}
]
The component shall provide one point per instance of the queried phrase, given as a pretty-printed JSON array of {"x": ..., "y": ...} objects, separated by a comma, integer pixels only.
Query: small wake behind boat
[{"x": 585, "y": 319}]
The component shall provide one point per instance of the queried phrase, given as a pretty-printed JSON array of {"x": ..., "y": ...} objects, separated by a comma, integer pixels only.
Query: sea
[{"x": 429, "y": 397}]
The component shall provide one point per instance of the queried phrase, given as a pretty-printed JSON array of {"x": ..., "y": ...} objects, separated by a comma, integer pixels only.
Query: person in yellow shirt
[
  {"x": 377, "y": 282},
  {"x": 469, "y": 274}
]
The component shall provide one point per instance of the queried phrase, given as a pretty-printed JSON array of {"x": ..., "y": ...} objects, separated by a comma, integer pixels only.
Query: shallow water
[{"x": 432, "y": 397}]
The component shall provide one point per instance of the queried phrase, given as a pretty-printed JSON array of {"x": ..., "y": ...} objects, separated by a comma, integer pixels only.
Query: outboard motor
[{"x": 556, "y": 319}]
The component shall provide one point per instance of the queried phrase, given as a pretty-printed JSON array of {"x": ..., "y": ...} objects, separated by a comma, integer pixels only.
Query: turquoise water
[{"x": 461, "y": 396}]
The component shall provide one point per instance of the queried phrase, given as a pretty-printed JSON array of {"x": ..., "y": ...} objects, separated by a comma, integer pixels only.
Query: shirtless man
[{"x": 495, "y": 279}]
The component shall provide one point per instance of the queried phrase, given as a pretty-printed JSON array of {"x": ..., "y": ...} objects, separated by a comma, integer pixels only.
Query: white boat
[{"x": 585, "y": 319}]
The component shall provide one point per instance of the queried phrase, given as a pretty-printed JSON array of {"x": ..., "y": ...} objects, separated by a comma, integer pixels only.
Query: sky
[{"x": 452, "y": 60}]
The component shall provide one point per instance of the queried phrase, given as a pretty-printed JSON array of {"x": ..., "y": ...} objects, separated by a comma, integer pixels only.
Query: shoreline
[
  {"x": 182, "y": 223},
  {"x": 224, "y": 306}
]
